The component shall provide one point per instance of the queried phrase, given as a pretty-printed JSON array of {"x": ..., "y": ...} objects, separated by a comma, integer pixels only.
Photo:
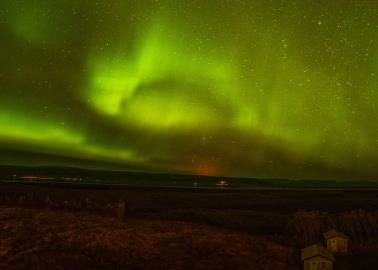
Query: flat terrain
[{"x": 44, "y": 227}]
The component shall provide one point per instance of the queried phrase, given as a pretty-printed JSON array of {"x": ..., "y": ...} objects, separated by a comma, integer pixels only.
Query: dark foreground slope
[
  {"x": 46, "y": 239},
  {"x": 74, "y": 227}
]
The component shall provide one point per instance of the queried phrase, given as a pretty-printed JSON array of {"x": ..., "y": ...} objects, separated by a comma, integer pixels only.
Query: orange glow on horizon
[{"x": 206, "y": 169}]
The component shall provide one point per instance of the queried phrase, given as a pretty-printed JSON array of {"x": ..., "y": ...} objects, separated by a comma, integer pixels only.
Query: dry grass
[
  {"x": 68, "y": 228},
  {"x": 360, "y": 225},
  {"x": 55, "y": 239}
]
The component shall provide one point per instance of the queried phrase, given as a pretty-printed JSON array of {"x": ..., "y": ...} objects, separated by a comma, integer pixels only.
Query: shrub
[{"x": 360, "y": 225}]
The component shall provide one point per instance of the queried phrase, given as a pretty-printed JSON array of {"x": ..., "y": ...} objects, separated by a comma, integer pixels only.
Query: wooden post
[{"x": 120, "y": 210}]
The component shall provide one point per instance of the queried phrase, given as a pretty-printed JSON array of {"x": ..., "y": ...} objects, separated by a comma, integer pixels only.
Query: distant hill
[{"x": 55, "y": 173}]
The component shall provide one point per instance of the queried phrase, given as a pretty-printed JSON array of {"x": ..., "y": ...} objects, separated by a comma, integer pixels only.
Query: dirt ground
[{"x": 58, "y": 239}]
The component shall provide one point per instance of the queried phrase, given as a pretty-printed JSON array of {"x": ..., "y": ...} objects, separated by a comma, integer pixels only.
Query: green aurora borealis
[{"x": 275, "y": 88}]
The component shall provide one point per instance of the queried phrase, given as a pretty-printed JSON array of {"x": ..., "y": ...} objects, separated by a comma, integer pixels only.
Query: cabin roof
[
  {"x": 334, "y": 233},
  {"x": 317, "y": 250}
]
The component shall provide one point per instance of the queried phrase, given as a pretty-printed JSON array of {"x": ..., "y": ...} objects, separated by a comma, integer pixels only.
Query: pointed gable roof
[
  {"x": 317, "y": 250},
  {"x": 334, "y": 233}
]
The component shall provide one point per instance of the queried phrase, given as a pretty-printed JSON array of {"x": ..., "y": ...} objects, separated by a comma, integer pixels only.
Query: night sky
[{"x": 254, "y": 88}]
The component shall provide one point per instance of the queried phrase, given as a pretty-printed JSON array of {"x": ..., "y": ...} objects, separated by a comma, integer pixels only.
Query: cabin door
[
  {"x": 342, "y": 244},
  {"x": 333, "y": 245}
]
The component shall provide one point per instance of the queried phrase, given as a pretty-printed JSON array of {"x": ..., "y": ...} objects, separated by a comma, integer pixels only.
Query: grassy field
[
  {"x": 259, "y": 222},
  {"x": 46, "y": 239}
]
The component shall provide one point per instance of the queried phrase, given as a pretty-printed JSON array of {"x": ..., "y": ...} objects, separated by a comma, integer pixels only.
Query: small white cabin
[
  {"x": 316, "y": 257},
  {"x": 336, "y": 241}
]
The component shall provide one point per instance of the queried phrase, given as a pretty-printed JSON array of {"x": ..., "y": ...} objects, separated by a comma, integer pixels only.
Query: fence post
[{"x": 120, "y": 209}]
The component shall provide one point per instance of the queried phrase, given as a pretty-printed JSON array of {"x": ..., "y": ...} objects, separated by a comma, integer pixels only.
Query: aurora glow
[{"x": 237, "y": 88}]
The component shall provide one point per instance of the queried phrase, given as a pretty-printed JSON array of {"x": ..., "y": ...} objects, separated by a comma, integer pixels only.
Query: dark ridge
[{"x": 57, "y": 174}]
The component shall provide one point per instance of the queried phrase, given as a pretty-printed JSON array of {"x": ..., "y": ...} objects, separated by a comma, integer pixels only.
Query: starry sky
[{"x": 269, "y": 89}]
